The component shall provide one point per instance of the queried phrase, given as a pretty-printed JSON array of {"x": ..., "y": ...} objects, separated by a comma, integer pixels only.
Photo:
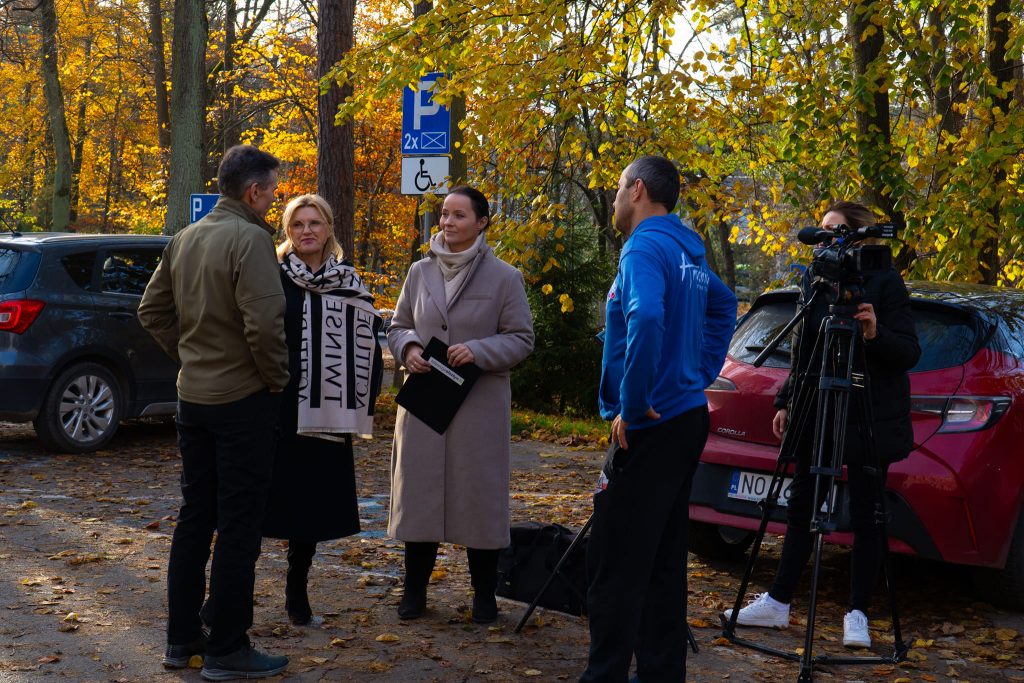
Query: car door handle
[{"x": 121, "y": 315}]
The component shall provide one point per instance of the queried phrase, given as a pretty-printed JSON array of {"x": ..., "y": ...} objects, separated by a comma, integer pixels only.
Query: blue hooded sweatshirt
[{"x": 668, "y": 325}]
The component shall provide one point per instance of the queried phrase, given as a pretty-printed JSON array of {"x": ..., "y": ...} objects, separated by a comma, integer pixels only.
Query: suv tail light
[
  {"x": 962, "y": 413},
  {"x": 16, "y": 315}
]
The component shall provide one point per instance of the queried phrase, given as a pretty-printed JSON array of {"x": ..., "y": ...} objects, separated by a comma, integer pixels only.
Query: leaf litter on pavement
[{"x": 84, "y": 543}]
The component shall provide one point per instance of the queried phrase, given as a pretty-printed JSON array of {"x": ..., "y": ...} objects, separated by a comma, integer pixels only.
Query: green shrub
[{"x": 562, "y": 374}]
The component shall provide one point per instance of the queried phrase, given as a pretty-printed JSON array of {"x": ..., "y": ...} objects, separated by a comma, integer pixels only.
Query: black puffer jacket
[{"x": 889, "y": 356}]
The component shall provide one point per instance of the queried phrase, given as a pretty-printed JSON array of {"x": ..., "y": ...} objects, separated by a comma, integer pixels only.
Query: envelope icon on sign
[{"x": 433, "y": 140}]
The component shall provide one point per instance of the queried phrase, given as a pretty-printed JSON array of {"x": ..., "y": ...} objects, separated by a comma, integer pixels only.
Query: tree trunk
[
  {"x": 80, "y": 133},
  {"x": 878, "y": 162},
  {"x": 188, "y": 106},
  {"x": 335, "y": 157},
  {"x": 28, "y": 163},
  {"x": 365, "y": 244},
  {"x": 61, "y": 201},
  {"x": 997, "y": 33},
  {"x": 228, "y": 124},
  {"x": 458, "y": 164},
  {"x": 156, "y": 40},
  {"x": 710, "y": 256},
  {"x": 944, "y": 95},
  {"x": 113, "y": 161},
  {"x": 728, "y": 272}
]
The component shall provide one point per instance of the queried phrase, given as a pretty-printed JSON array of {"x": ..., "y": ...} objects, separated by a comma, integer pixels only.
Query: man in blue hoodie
[{"x": 669, "y": 322}]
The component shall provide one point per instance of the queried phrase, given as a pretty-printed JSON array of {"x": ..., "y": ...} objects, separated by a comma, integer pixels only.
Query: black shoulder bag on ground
[{"x": 526, "y": 564}]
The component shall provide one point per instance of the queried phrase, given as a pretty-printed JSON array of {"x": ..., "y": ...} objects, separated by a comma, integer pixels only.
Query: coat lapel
[{"x": 435, "y": 287}]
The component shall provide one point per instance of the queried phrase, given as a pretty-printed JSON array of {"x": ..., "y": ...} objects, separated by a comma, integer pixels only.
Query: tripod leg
[
  {"x": 806, "y": 659},
  {"x": 834, "y": 388},
  {"x": 729, "y": 625},
  {"x": 881, "y": 517},
  {"x": 801, "y": 409},
  {"x": 554, "y": 572},
  {"x": 884, "y": 558},
  {"x": 900, "y": 647},
  {"x": 691, "y": 639}
]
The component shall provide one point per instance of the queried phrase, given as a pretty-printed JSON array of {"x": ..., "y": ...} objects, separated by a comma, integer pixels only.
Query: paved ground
[{"x": 84, "y": 541}]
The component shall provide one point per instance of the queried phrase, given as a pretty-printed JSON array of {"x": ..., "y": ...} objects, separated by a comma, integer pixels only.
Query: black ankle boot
[
  {"x": 419, "y": 563},
  {"x": 296, "y": 597},
  {"x": 483, "y": 572},
  {"x": 296, "y": 603},
  {"x": 413, "y": 604},
  {"x": 485, "y": 608}
]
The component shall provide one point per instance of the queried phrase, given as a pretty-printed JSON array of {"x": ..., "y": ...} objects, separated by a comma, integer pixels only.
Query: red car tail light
[
  {"x": 963, "y": 413},
  {"x": 18, "y": 314},
  {"x": 970, "y": 414}
]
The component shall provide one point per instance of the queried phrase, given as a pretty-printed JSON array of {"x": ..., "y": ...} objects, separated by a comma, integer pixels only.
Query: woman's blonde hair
[{"x": 331, "y": 246}]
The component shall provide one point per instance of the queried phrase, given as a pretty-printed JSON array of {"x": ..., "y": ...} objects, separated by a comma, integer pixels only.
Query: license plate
[{"x": 754, "y": 487}]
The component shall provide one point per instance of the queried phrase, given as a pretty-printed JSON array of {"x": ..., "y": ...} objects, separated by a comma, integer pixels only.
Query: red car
[{"x": 958, "y": 496}]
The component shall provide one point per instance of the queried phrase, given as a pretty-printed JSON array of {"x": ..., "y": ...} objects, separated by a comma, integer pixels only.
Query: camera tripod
[{"x": 838, "y": 383}]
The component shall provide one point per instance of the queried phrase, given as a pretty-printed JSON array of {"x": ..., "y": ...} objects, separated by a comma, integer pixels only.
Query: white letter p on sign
[{"x": 419, "y": 110}]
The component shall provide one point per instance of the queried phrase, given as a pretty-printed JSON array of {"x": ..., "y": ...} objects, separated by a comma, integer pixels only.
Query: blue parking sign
[
  {"x": 426, "y": 124},
  {"x": 200, "y": 204}
]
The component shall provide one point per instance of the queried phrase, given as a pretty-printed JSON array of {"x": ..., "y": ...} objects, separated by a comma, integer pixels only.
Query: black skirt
[{"x": 313, "y": 493}]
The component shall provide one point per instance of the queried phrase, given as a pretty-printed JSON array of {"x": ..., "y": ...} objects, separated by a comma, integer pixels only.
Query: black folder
[{"x": 434, "y": 397}]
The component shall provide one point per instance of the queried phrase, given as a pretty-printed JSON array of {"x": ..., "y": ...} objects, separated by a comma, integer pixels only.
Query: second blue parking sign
[{"x": 426, "y": 124}]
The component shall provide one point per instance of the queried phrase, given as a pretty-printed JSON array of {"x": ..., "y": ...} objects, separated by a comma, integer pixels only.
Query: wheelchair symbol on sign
[{"x": 423, "y": 176}]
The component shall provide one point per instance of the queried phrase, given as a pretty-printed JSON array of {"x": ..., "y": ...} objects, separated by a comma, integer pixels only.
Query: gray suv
[{"x": 73, "y": 358}]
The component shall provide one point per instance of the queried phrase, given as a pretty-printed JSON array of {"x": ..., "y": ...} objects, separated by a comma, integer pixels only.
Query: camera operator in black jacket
[{"x": 890, "y": 350}]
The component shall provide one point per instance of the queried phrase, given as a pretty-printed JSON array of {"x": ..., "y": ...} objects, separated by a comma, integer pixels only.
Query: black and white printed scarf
[{"x": 340, "y": 358}]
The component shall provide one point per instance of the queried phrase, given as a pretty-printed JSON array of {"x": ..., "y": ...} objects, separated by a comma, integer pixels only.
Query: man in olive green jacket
[{"x": 215, "y": 305}]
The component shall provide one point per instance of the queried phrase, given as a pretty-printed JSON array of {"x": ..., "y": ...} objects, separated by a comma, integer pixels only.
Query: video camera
[{"x": 838, "y": 262}]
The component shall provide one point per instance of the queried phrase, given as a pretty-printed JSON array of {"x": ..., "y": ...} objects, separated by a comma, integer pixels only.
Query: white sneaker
[
  {"x": 763, "y": 610},
  {"x": 855, "y": 629}
]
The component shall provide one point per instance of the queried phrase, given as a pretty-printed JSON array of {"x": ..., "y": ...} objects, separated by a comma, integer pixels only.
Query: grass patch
[{"x": 528, "y": 424}]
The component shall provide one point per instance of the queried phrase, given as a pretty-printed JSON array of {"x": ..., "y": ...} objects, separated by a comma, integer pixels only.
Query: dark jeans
[
  {"x": 866, "y": 557},
  {"x": 227, "y": 456},
  {"x": 636, "y": 556}
]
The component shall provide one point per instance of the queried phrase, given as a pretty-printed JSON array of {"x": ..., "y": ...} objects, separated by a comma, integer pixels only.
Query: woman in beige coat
[{"x": 453, "y": 487}]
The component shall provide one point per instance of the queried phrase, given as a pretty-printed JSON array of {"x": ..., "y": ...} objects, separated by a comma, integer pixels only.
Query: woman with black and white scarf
[{"x": 335, "y": 363}]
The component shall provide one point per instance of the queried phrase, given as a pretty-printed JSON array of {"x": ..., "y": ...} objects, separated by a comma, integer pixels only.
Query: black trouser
[
  {"x": 636, "y": 556},
  {"x": 866, "y": 557},
  {"x": 227, "y": 454},
  {"x": 420, "y": 558}
]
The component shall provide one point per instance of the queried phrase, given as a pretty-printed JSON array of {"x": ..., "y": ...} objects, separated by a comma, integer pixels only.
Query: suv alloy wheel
[{"x": 81, "y": 411}]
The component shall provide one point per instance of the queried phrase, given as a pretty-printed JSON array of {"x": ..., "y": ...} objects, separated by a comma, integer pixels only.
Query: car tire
[
  {"x": 717, "y": 542},
  {"x": 1005, "y": 587},
  {"x": 81, "y": 411}
]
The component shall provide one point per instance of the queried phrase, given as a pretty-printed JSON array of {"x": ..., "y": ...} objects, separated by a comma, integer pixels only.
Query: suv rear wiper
[
  {"x": 777, "y": 351},
  {"x": 14, "y": 233}
]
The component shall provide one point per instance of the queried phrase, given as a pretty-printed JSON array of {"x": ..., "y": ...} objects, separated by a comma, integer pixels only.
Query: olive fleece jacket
[{"x": 216, "y": 306}]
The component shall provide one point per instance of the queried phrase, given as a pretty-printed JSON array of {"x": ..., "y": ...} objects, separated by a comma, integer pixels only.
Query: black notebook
[{"x": 434, "y": 397}]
